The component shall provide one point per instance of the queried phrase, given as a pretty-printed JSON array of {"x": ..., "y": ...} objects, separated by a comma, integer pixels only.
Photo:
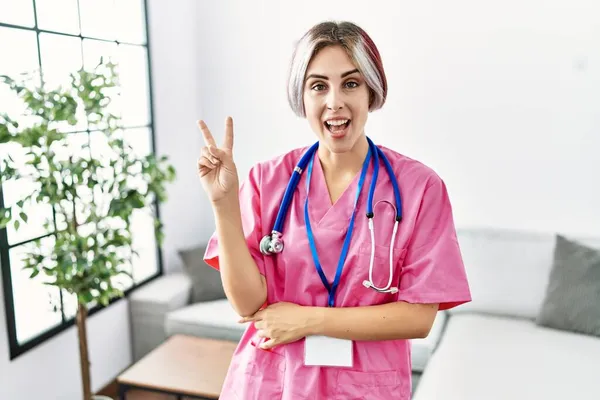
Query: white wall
[
  {"x": 502, "y": 99},
  {"x": 174, "y": 45},
  {"x": 51, "y": 370}
]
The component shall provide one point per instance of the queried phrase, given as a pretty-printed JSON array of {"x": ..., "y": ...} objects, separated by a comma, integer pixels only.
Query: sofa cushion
[
  {"x": 206, "y": 281},
  {"x": 422, "y": 349},
  {"x": 572, "y": 300},
  {"x": 211, "y": 319},
  {"x": 498, "y": 358},
  {"x": 160, "y": 296},
  {"x": 508, "y": 270}
]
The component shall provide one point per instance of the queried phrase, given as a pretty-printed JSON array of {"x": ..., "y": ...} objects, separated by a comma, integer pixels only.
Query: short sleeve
[
  {"x": 433, "y": 270},
  {"x": 249, "y": 197}
]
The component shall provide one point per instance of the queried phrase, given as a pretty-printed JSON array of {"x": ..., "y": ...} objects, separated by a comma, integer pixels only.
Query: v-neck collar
[{"x": 324, "y": 213}]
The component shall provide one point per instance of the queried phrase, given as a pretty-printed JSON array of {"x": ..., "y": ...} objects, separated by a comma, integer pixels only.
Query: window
[{"x": 58, "y": 37}]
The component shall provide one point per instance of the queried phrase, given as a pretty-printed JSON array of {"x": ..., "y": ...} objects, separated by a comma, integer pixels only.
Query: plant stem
[{"x": 83, "y": 351}]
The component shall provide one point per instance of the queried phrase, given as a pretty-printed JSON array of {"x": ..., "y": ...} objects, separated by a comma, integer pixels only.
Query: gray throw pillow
[
  {"x": 206, "y": 281},
  {"x": 572, "y": 301}
]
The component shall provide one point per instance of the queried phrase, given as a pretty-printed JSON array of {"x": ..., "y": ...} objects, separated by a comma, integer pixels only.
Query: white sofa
[
  {"x": 488, "y": 349},
  {"x": 492, "y": 348}
]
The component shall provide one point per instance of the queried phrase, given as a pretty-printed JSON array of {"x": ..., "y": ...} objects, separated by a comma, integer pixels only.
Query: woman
[{"x": 310, "y": 335}]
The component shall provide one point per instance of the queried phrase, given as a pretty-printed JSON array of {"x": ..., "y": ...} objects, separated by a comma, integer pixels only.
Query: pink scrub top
[{"x": 428, "y": 268}]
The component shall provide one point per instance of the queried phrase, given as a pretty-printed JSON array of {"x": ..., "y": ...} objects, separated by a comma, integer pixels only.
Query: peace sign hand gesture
[{"x": 218, "y": 173}]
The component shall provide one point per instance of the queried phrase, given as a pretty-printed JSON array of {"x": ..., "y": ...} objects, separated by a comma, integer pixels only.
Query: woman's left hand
[{"x": 282, "y": 323}]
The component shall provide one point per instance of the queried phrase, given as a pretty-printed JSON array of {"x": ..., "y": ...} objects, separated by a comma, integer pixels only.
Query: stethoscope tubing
[{"x": 276, "y": 244}]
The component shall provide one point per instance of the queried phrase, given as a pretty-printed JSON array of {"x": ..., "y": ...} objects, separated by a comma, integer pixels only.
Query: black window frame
[{"x": 15, "y": 348}]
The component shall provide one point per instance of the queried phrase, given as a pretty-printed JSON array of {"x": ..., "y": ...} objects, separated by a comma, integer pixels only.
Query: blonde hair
[{"x": 360, "y": 48}]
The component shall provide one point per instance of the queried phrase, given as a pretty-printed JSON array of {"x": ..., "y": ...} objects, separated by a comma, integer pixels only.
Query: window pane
[
  {"x": 58, "y": 15},
  {"x": 93, "y": 50},
  {"x": 123, "y": 282},
  {"x": 18, "y": 12},
  {"x": 69, "y": 305},
  {"x": 99, "y": 147},
  {"x": 97, "y": 19},
  {"x": 70, "y": 300},
  {"x": 132, "y": 23},
  {"x": 37, "y": 214},
  {"x": 144, "y": 240},
  {"x": 33, "y": 300},
  {"x": 135, "y": 98},
  {"x": 76, "y": 145},
  {"x": 14, "y": 191},
  {"x": 145, "y": 264},
  {"x": 22, "y": 46},
  {"x": 140, "y": 139},
  {"x": 61, "y": 57},
  {"x": 102, "y": 151}
]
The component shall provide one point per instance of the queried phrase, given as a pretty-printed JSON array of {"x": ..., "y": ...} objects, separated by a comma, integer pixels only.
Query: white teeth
[{"x": 337, "y": 122}]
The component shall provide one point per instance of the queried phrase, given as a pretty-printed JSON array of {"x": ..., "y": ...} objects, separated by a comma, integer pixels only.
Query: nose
[{"x": 334, "y": 100}]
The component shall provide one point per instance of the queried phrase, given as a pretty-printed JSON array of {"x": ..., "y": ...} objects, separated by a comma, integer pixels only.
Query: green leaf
[
  {"x": 34, "y": 273},
  {"x": 5, "y": 217},
  {"x": 171, "y": 175},
  {"x": 136, "y": 200},
  {"x": 23, "y": 216},
  {"x": 17, "y": 224},
  {"x": 86, "y": 297},
  {"x": 5, "y": 135}
]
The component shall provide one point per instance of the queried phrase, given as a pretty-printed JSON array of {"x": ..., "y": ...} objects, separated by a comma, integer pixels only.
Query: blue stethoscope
[{"x": 273, "y": 243}]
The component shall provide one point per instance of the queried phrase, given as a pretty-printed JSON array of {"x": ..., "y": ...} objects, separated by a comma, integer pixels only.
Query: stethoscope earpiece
[{"x": 369, "y": 285}]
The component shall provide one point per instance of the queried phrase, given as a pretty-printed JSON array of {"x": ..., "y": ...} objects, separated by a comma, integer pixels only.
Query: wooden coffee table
[{"x": 182, "y": 366}]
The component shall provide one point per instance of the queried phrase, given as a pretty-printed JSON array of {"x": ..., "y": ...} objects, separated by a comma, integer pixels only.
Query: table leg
[{"x": 122, "y": 391}]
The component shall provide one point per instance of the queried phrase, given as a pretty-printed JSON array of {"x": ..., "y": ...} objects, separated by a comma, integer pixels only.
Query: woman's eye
[
  {"x": 318, "y": 87},
  {"x": 352, "y": 85}
]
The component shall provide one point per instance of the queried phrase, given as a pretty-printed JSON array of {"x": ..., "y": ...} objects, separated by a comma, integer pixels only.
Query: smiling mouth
[{"x": 337, "y": 127}]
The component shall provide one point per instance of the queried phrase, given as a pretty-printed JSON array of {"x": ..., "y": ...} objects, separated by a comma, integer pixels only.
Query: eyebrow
[{"x": 345, "y": 74}]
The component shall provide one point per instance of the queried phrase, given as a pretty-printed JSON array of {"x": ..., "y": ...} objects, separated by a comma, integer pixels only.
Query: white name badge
[{"x": 327, "y": 351}]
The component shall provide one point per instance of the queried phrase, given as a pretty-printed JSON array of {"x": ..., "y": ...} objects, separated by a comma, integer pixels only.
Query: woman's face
[{"x": 336, "y": 99}]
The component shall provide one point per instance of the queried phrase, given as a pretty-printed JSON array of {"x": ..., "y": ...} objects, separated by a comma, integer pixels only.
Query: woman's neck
[{"x": 347, "y": 164}]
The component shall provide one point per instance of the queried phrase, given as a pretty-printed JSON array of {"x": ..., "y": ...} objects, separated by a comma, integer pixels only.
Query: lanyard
[{"x": 331, "y": 289}]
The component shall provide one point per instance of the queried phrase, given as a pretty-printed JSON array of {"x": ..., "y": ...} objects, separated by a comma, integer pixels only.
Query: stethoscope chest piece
[{"x": 271, "y": 244}]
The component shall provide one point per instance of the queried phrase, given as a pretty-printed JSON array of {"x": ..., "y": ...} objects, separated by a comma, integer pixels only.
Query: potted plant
[{"x": 93, "y": 196}]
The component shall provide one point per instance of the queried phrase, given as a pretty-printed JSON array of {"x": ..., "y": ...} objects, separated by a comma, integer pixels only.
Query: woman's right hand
[{"x": 218, "y": 173}]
